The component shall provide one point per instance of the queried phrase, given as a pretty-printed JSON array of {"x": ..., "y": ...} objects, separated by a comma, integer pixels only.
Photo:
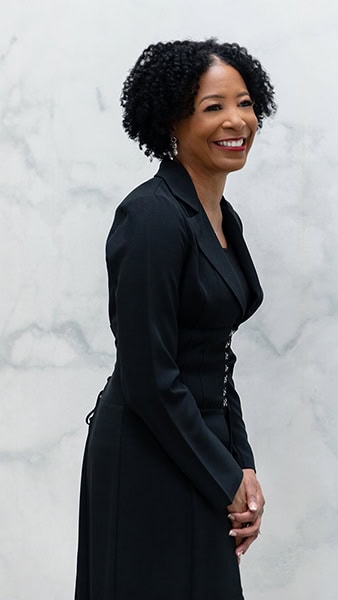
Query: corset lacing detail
[{"x": 226, "y": 368}]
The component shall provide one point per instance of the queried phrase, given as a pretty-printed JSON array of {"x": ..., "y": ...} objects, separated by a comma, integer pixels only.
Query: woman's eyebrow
[
  {"x": 221, "y": 97},
  {"x": 209, "y": 96}
]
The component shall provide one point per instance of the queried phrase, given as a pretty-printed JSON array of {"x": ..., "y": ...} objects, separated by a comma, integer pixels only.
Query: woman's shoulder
[
  {"x": 153, "y": 200},
  {"x": 151, "y": 211}
]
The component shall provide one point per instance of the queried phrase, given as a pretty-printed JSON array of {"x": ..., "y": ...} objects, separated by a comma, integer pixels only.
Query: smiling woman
[
  {"x": 162, "y": 86},
  {"x": 217, "y": 137},
  {"x": 169, "y": 496}
]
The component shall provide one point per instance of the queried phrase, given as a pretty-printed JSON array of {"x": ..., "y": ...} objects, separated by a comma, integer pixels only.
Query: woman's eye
[
  {"x": 246, "y": 103},
  {"x": 212, "y": 107}
]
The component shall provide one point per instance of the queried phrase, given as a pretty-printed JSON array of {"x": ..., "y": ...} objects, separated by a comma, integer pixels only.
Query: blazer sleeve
[
  {"x": 241, "y": 448},
  {"x": 146, "y": 251}
]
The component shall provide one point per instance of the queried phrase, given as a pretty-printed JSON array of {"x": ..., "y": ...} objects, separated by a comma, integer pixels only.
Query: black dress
[{"x": 167, "y": 442}]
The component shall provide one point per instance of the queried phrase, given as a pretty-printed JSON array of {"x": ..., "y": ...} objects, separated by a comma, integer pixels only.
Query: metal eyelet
[{"x": 226, "y": 368}]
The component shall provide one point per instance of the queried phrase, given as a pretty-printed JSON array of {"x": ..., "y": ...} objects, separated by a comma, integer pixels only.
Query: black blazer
[
  {"x": 170, "y": 297},
  {"x": 163, "y": 458}
]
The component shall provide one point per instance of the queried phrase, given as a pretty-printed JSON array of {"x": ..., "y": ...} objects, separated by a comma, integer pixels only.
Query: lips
[{"x": 233, "y": 144}]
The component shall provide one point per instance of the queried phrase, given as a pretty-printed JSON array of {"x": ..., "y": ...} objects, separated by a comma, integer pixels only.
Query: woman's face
[{"x": 217, "y": 137}]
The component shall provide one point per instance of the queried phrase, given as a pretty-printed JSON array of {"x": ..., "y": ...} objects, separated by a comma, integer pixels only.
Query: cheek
[
  {"x": 254, "y": 124},
  {"x": 253, "y": 128},
  {"x": 249, "y": 146}
]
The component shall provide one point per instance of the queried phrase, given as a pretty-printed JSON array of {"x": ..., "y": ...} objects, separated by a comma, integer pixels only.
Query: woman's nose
[{"x": 233, "y": 120}]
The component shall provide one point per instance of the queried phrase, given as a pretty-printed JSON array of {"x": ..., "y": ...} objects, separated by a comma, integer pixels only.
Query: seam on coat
[
  {"x": 202, "y": 367},
  {"x": 192, "y": 540},
  {"x": 118, "y": 500}
]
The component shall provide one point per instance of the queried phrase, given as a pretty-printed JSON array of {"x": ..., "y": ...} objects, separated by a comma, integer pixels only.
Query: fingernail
[
  {"x": 232, "y": 533},
  {"x": 253, "y": 506},
  {"x": 231, "y": 517}
]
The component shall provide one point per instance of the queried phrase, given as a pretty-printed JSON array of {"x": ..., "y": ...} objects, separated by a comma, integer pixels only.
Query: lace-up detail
[{"x": 226, "y": 368}]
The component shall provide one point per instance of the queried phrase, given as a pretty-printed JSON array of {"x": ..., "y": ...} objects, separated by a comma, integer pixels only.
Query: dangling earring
[{"x": 174, "y": 146}]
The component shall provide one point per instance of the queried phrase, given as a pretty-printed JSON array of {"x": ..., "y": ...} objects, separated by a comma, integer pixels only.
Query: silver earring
[{"x": 174, "y": 146}]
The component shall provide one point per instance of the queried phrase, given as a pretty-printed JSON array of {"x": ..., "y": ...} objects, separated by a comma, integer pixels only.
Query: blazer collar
[{"x": 182, "y": 187}]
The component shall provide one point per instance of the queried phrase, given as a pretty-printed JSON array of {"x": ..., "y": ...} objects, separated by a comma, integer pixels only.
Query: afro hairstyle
[{"x": 160, "y": 89}]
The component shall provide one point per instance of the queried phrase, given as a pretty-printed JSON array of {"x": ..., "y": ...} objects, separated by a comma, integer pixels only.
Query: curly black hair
[{"x": 161, "y": 88}]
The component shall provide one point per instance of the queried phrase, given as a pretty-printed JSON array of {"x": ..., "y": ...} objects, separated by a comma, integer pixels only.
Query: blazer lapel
[
  {"x": 233, "y": 232},
  {"x": 181, "y": 186},
  {"x": 211, "y": 248}
]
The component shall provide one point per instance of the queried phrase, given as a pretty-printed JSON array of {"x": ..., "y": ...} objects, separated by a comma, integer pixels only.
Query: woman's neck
[{"x": 209, "y": 188}]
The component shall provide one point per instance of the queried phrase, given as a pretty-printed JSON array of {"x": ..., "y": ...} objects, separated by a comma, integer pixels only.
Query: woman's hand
[{"x": 246, "y": 512}]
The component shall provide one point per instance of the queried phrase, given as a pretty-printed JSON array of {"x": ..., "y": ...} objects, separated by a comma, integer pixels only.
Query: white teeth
[{"x": 231, "y": 143}]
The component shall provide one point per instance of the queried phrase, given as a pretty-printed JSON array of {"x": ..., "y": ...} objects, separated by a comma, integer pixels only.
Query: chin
[{"x": 236, "y": 166}]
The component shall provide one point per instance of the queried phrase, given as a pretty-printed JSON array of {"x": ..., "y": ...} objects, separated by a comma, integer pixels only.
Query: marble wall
[{"x": 65, "y": 165}]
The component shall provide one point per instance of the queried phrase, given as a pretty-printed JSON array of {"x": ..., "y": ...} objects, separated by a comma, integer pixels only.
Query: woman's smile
[
  {"x": 232, "y": 144},
  {"x": 217, "y": 137}
]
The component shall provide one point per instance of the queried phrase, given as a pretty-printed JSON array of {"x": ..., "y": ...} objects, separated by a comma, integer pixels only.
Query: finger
[
  {"x": 258, "y": 505},
  {"x": 245, "y": 517},
  {"x": 242, "y": 548},
  {"x": 244, "y": 532},
  {"x": 251, "y": 529},
  {"x": 252, "y": 494},
  {"x": 260, "y": 500},
  {"x": 236, "y": 524}
]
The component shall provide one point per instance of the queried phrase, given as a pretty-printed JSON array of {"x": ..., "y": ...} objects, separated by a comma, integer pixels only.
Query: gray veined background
[{"x": 65, "y": 165}]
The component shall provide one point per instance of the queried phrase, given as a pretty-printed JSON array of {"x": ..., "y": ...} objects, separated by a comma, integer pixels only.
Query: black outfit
[{"x": 167, "y": 442}]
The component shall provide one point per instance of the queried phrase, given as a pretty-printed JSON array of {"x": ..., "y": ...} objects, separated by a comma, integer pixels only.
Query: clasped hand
[{"x": 245, "y": 512}]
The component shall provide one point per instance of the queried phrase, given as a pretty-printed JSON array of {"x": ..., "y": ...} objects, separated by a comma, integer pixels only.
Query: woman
[{"x": 167, "y": 458}]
